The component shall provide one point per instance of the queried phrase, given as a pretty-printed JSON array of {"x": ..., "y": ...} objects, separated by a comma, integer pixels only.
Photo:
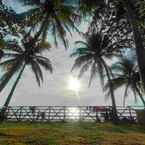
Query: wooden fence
[{"x": 69, "y": 113}]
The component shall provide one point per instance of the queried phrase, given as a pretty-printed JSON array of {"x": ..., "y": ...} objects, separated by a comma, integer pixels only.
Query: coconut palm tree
[
  {"x": 92, "y": 55},
  {"x": 131, "y": 12},
  {"x": 16, "y": 57},
  {"x": 125, "y": 74},
  {"x": 138, "y": 38},
  {"x": 51, "y": 15}
]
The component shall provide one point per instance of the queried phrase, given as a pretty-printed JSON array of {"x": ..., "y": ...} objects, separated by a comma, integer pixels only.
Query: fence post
[
  {"x": 64, "y": 115},
  {"x": 131, "y": 117},
  {"x": 49, "y": 111},
  {"x": 80, "y": 113},
  {"x": 97, "y": 118}
]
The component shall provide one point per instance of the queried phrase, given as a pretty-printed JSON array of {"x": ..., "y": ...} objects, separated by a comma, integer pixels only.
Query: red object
[{"x": 100, "y": 108}]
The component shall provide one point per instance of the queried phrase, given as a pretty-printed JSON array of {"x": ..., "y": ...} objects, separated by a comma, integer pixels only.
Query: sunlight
[
  {"x": 73, "y": 113},
  {"x": 74, "y": 84}
]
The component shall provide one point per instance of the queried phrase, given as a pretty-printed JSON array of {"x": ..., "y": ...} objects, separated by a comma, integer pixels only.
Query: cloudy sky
[{"x": 54, "y": 90}]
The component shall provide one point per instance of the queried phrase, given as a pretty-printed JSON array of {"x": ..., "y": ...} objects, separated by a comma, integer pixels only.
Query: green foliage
[
  {"x": 91, "y": 53},
  {"x": 53, "y": 16},
  {"x": 10, "y": 26},
  {"x": 20, "y": 56},
  {"x": 97, "y": 49},
  {"x": 141, "y": 116},
  {"x": 141, "y": 8},
  {"x": 125, "y": 74},
  {"x": 44, "y": 45},
  {"x": 2, "y": 43}
]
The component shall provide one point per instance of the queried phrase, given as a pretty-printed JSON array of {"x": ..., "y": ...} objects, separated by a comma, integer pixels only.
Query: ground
[{"x": 76, "y": 133}]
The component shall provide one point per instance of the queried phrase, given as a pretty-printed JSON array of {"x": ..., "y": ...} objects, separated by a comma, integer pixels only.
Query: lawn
[{"x": 71, "y": 134}]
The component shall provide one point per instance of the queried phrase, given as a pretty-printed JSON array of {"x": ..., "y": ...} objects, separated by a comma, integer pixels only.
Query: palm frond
[
  {"x": 80, "y": 51},
  {"x": 45, "y": 63},
  {"x": 84, "y": 68},
  {"x": 61, "y": 31},
  {"x": 13, "y": 46},
  {"x": 7, "y": 63},
  {"x": 81, "y": 43},
  {"x": 37, "y": 71},
  {"x": 9, "y": 73},
  {"x": 30, "y": 2},
  {"x": 42, "y": 46},
  {"x": 81, "y": 60},
  {"x": 93, "y": 73}
]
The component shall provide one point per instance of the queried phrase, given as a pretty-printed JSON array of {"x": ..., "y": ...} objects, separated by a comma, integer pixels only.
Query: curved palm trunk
[
  {"x": 141, "y": 97},
  {"x": 125, "y": 94},
  {"x": 124, "y": 101},
  {"x": 2, "y": 113},
  {"x": 138, "y": 39},
  {"x": 114, "y": 108}
]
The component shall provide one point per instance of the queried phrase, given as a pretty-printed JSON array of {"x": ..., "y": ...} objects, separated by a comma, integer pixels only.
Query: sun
[{"x": 74, "y": 84}]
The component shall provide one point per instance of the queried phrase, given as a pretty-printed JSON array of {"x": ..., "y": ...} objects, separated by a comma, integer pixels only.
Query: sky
[{"x": 54, "y": 90}]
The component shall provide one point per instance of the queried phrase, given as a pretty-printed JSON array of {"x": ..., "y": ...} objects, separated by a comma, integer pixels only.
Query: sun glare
[
  {"x": 74, "y": 84},
  {"x": 73, "y": 113}
]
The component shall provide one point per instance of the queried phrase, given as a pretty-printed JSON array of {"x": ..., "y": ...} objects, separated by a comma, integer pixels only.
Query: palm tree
[
  {"x": 129, "y": 11},
  {"x": 132, "y": 12},
  {"x": 125, "y": 73},
  {"x": 52, "y": 15},
  {"x": 8, "y": 20},
  {"x": 89, "y": 8},
  {"x": 138, "y": 38},
  {"x": 15, "y": 59},
  {"x": 93, "y": 54}
]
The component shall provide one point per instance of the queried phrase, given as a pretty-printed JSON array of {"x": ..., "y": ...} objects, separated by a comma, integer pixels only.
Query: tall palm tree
[
  {"x": 129, "y": 11},
  {"x": 138, "y": 38},
  {"x": 93, "y": 54},
  {"x": 125, "y": 74},
  {"x": 53, "y": 16},
  {"x": 132, "y": 12},
  {"x": 16, "y": 57}
]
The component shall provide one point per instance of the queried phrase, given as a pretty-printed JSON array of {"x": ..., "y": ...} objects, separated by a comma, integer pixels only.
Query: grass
[{"x": 70, "y": 134}]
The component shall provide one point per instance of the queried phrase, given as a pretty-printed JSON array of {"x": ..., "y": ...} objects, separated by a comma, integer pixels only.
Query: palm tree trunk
[
  {"x": 114, "y": 108},
  {"x": 2, "y": 113},
  {"x": 140, "y": 95},
  {"x": 138, "y": 39},
  {"x": 124, "y": 101},
  {"x": 142, "y": 99},
  {"x": 125, "y": 94}
]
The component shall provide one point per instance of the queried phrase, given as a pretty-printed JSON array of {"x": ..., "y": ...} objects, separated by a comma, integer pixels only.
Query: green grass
[{"x": 70, "y": 134}]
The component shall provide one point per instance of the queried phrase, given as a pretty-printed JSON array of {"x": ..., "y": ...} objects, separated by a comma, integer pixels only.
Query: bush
[{"x": 141, "y": 116}]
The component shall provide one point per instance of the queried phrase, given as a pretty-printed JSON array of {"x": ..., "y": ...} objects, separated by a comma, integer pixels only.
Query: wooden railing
[{"x": 67, "y": 113}]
